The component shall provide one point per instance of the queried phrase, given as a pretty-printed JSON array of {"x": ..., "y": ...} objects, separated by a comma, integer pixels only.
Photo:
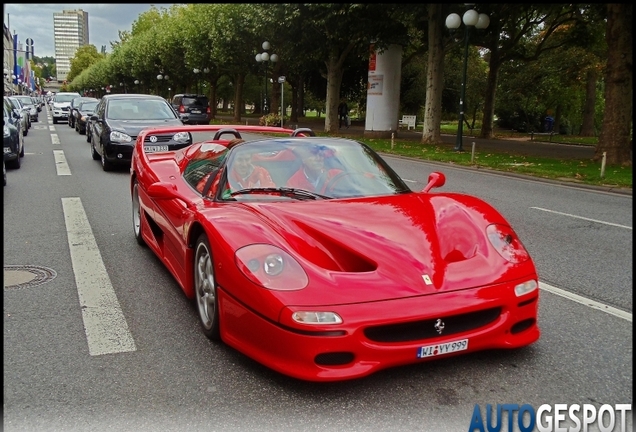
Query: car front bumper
[{"x": 385, "y": 334}]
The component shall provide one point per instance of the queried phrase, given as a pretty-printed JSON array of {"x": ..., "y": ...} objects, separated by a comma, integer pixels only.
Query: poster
[{"x": 374, "y": 86}]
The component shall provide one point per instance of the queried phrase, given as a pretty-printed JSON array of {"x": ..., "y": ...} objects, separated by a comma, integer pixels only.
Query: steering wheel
[{"x": 221, "y": 132}]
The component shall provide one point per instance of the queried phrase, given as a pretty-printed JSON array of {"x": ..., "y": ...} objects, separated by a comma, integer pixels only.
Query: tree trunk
[
  {"x": 434, "y": 76},
  {"x": 239, "y": 80},
  {"x": 587, "y": 127},
  {"x": 334, "y": 81},
  {"x": 614, "y": 139},
  {"x": 487, "y": 130}
]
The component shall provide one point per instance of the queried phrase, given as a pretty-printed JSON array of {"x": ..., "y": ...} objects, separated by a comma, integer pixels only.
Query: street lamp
[
  {"x": 196, "y": 72},
  {"x": 471, "y": 19},
  {"x": 264, "y": 57},
  {"x": 281, "y": 80}
]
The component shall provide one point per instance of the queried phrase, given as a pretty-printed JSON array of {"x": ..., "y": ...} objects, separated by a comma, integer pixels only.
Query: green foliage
[{"x": 271, "y": 119}]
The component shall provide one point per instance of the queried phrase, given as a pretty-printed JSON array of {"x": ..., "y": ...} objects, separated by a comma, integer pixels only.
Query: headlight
[
  {"x": 271, "y": 267},
  {"x": 181, "y": 137},
  {"x": 120, "y": 137},
  {"x": 7, "y": 132},
  {"x": 505, "y": 241}
]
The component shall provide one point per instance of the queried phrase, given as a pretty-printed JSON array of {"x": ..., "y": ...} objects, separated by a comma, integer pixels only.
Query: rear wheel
[
  {"x": 94, "y": 153},
  {"x": 137, "y": 214},
  {"x": 205, "y": 289}
]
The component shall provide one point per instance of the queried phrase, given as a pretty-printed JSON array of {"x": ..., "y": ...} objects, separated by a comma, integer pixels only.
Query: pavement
[{"x": 537, "y": 146}]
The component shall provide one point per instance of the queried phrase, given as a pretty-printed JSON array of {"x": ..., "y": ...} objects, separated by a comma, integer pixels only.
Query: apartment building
[
  {"x": 8, "y": 60},
  {"x": 70, "y": 31}
]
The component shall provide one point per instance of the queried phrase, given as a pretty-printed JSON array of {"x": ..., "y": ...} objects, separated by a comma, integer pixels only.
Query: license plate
[
  {"x": 444, "y": 348},
  {"x": 196, "y": 111},
  {"x": 153, "y": 149}
]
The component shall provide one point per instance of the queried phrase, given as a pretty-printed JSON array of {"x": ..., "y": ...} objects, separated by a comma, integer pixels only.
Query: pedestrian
[{"x": 343, "y": 113}]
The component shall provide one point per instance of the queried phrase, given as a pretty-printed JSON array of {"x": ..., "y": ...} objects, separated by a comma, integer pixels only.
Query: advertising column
[{"x": 383, "y": 92}]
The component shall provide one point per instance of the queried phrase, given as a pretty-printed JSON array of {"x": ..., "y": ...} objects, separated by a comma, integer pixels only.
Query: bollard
[
  {"x": 392, "y": 140},
  {"x": 603, "y": 165},
  {"x": 472, "y": 154}
]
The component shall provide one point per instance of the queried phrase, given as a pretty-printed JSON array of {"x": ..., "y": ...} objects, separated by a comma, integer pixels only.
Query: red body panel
[{"x": 375, "y": 261}]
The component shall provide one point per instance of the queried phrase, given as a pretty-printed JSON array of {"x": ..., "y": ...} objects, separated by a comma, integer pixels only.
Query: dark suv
[{"x": 192, "y": 108}]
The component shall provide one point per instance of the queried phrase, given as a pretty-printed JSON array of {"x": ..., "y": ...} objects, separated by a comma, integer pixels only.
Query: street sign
[{"x": 281, "y": 79}]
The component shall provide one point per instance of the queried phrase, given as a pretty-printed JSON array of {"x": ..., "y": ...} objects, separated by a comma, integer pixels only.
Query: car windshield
[
  {"x": 271, "y": 170},
  {"x": 65, "y": 97},
  {"x": 139, "y": 109},
  {"x": 26, "y": 100},
  {"x": 200, "y": 101},
  {"x": 88, "y": 106}
]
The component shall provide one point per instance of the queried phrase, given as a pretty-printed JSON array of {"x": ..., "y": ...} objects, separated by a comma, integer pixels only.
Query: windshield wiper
[{"x": 283, "y": 191}]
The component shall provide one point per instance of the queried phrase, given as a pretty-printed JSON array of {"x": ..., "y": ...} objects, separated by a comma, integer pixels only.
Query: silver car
[
  {"x": 25, "y": 120},
  {"x": 28, "y": 102}
]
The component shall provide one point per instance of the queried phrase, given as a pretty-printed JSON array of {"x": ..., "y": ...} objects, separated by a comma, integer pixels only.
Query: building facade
[
  {"x": 70, "y": 31},
  {"x": 8, "y": 60}
]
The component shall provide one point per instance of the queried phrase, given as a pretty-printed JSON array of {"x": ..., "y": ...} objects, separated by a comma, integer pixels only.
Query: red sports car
[{"x": 313, "y": 257}]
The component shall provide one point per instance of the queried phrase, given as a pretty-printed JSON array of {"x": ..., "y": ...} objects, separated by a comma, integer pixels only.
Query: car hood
[
  {"x": 61, "y": 104},
  {"x": 382, "y": 248},
  {"x": 133, "y": 127}
]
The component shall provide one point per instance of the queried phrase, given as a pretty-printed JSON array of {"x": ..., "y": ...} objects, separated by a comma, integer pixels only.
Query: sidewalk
[{"x": 521, "y": 147}]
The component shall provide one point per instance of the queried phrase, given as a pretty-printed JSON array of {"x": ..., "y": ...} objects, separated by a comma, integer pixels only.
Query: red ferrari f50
[{"x": 313, "y": 257}]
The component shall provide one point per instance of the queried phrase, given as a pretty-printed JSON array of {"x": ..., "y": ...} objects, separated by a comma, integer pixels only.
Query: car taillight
[
  {"x": 181, "y": 109},
  {"x": 505, "y": 241},
  {"x": 208, "y": 110}
]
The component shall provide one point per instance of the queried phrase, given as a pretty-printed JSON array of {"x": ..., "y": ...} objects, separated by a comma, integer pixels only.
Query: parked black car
[
  {"x": 119, "y": 118},
  {"x": 13, "y": 137},
  {"x": 73, "y": 108},
  {"x": 82, "y": 113},
  {"x": 192, "y": 108}
]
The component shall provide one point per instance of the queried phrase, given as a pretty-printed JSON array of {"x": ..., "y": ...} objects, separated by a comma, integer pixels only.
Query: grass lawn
[{"x": 577, "y": 171}]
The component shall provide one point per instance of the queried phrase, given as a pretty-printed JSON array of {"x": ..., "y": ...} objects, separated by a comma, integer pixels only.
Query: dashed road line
[{"x": 104, "y": 322}]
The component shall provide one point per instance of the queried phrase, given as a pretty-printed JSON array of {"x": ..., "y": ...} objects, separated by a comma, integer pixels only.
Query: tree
[
  {"x": 434, "y": 76},
  {"x": 615, "y": 139},
  {"x": 85, "y": 56}
]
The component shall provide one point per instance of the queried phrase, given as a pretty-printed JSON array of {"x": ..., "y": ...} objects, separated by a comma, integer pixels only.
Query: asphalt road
[{"x": 169, "y": 377}]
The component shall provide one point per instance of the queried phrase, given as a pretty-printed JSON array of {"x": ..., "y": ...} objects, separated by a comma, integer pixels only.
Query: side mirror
[
  {"x": 435, "y": 179},
  {"x": 162, "y": 191}
]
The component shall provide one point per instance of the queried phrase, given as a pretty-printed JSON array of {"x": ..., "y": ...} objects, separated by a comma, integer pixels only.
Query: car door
[{"x": 98, "y": 127}]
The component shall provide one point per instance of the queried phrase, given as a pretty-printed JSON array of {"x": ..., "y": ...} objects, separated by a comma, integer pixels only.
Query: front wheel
[
  {"x": 205, "y": 289},
  {"x": 137, "y": 214},
  {"x": 106, "y": 164}
]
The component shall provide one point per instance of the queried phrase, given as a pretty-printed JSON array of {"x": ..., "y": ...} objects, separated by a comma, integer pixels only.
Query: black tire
[
  {"x": 88, "y": 137},
  {"x": 106, "y": 164},
  {"x": 94, "y": 154},
  {"x": 14, "y": 164},
  {"x": 22, "y": 151},
  {"x": 206, "y": 298},
  {"x": 137, "y": 214},
  {"x": 25, "y": 132}
]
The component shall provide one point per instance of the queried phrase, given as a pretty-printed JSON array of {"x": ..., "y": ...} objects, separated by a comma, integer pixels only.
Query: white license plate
[
  {"x": 153, "y": 149},
  {"x": 196, "y": 111},
  {"x": 443, "y": 348}
]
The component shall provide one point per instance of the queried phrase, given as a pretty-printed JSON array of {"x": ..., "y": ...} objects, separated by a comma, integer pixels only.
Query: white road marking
[
  {"x": 51, "y": 128},
  {"x": 587, "y": 302},
  {"x": 60, "y": 163},
  {"x": 55, "y": 139},
  {"x": 581, "y": 217},
  {"x": 104, "y": 322}
]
